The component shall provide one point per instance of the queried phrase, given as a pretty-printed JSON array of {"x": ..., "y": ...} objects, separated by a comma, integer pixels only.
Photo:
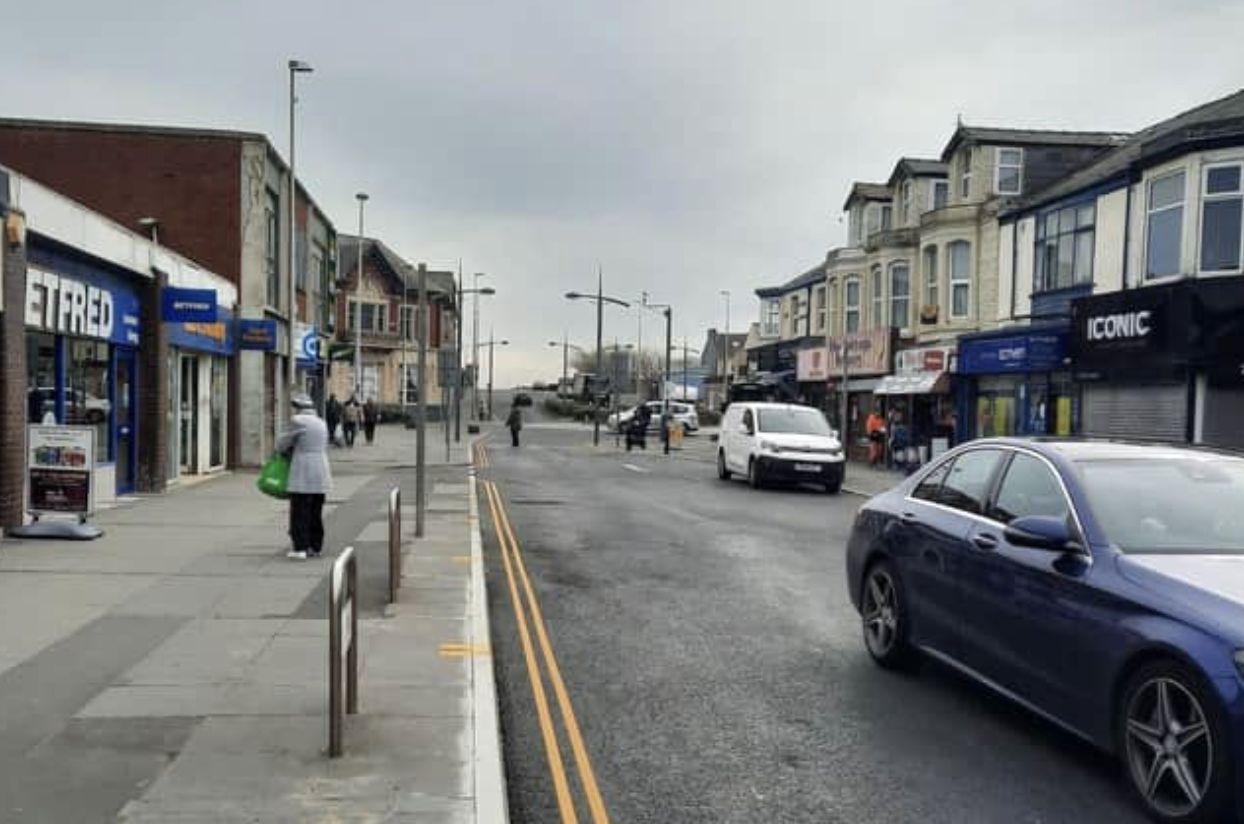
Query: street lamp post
[
  {"x": 358, "y": 303},
  {"x": 490, "y": 343},
  {"x": 728, "y": 366},
  {"x": 668, "y": 311},
  {"x": 475, "y": 348},
  {"x": 566, "y": 346},
  {"x": 296, "y": 67},
  {"x": 601, "y": 299}
]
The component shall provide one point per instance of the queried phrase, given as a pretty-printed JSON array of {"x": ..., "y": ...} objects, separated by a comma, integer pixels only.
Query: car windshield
[
  {"x": 794, "y": 422},
  {"x": 1190, "y": 505}
]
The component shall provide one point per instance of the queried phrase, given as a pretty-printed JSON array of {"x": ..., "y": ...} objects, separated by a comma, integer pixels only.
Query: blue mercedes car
[{"x": 1098, "y": 584}]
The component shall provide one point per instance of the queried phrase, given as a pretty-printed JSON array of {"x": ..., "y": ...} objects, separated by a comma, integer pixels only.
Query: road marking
[
  {"x": 634, "y": 468},
  {"x": 461, "y": 559},
  {"x": 461, "y": 650},
  {"x": 552, "y": 751},
  {"x": 595, "y": 802}
]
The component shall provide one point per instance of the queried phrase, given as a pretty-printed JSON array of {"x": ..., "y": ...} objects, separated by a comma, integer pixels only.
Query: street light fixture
[
  {"x": 566, "y": 346},
  {"x": 296, "y": 67},
  {"x": 491, "y": 343},
  {"x": 362, "y": 198},
  {"x": 487, "y": 290},
  {"x": 727, "y": 365},
  {"x": 475, "y": 343},
  {"x": 600, "y": 300}
]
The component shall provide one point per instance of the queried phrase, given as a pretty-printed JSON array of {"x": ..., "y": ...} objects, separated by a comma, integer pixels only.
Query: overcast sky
[{"x": 686, "y": 147}]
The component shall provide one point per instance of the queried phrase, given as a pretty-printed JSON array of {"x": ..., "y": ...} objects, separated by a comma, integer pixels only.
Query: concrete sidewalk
[{"x": 176, "y": 669}]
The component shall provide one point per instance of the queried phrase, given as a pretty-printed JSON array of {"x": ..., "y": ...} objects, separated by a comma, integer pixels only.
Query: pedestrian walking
[
  {"x": 332, "y": 417},
  {"x": 310, "y": 478},
  {"x": 875, "y": 428},
  {"x": 515, "y": 423},
  {"x": 350, "y": 414},
  {"x": 371, "y": 417},
  {"x": 637, "y": 432}
]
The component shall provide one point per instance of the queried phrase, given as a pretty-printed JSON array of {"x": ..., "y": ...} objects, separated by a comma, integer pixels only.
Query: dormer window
[
  {"x": 1010, "y": 171},
  {"x": 965, "y": 174},
  {"x": 905, "y": 211},
  {"x": 941, "y": 194}
]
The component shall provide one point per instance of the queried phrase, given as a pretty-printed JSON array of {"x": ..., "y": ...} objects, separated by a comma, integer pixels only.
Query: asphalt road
[{"x": 715, "y": 667}]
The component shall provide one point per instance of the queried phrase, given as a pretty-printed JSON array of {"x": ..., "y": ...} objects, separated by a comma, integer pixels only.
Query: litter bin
[{"x": 675, "y": 433}]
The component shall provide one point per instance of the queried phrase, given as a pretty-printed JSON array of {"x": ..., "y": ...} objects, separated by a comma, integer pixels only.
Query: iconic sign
[
  {"x": 1136, "y": 324},
  {"x": 259, "y": 335},
  {"x": 188, "y": 305},
  {"x": 72, "y": 306},
  {"x": 59, "y": 462}
]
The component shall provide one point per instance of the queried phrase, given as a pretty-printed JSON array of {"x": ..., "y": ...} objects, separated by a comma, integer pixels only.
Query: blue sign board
[
  {"x": 188, "y": 305},
  {"x": 307, "y": 346},
  {"x": 216, "y": 338},
  {"x": 1038, "y": 351},
  {"x": 258, "y": 335},
  {"x": 66, "y": 295}
]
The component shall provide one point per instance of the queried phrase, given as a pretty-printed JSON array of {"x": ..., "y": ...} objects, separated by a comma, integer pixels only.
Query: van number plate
[{"x": 807, "y": 467}]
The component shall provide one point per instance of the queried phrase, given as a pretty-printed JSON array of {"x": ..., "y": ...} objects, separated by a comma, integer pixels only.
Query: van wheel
[
  {"x": 832, "y": 488},
  {"x": 722, "y": 472},
  {"x": 753, "y": 474}
]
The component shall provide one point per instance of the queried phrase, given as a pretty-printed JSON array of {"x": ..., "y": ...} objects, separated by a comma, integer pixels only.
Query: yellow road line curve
[
  {"x": 561, "y": 787},
  {"x": 595, "y": 803}
]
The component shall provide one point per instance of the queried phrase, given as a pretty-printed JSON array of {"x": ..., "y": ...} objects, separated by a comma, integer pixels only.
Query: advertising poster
[{"x": 59, "y": 462}]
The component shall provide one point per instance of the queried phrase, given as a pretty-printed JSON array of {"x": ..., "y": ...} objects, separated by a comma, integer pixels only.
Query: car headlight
[{"x": 769, "y": 446}]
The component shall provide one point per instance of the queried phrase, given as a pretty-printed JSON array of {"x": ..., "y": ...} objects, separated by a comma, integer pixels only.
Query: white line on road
[{"x": 634, "y": 468}]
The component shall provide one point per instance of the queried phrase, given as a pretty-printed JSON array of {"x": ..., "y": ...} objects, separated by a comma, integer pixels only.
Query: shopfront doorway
[
  {"x": 188, "y": 426},
  {"x": 125, "y": 423}
]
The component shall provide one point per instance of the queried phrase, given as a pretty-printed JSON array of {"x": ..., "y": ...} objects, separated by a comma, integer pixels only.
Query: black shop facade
[{"x": 1162, "y": 363}]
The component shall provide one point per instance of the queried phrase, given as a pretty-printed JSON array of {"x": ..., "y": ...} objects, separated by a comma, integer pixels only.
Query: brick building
[{"x": 220, "y": 198}]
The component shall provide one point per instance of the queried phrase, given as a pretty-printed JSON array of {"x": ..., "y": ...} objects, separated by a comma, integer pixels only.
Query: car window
[
  {"x": 1029, "y": 488},
  {"x": 967, "y": 483},
  {"x": 928, "y": 489},
  {"x": 747, "y": 420}
]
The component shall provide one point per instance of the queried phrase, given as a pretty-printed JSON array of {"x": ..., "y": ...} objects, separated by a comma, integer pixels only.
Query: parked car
[
  {"x": 81, "y": 407},
  {"x": 522, "y": 399},
  {"x": 770, "y": 442},
  {"x": 683, "y": 413},
  {"x": 1099, "y": 584}
]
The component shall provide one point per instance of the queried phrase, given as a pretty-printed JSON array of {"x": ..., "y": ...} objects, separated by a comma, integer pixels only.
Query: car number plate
[{"x": 807, "y": 467}]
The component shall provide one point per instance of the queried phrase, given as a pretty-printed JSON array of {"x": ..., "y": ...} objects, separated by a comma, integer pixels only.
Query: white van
[{"x": 779, "y": 442}]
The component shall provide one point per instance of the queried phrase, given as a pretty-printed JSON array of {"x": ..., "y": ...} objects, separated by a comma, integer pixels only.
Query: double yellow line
[
  {"x": 527, "y": 615},
  {"x": 481, "y": 455}
]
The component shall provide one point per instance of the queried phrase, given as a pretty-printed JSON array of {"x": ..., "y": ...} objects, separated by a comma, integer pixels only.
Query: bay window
[
  {"x": 931, "y": 292},
  {"x": 1222, "y": 213},
  {"x": 1164, "y": 225},
  {"x": 877, "y": 284},
  {"x": 960, "y": 278},
  {"x": 1064, "y": 253},
  {"x": 941, "y": 194},
  {"x": 851, "y": 306},
  {"x": 900, "y": 295},
  {"x": 772, "y": 321}
]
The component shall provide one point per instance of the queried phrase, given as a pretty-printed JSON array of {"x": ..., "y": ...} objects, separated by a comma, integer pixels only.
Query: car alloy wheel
[
  {"x": 722, "y": 471},
  {"x": 883, "y": 611},
  {"x": 1169, "y": 746}
]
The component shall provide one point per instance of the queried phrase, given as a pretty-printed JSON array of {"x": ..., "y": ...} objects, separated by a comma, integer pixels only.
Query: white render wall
[{"x": 1110, "y": 240}]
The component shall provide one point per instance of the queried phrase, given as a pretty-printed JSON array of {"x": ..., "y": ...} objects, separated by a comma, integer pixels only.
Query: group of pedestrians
[
  {"x": 889, "y": 439},
  {"x": 351, "y": 415}
]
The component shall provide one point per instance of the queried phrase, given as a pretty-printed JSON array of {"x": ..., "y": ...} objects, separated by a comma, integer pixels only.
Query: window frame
[
  {"x": 998, "y": 166},
  {"x": 1181, "y": 205},
  {"x": 1218, "y": 197},
  {"x": 876, "y": 287},
  {"x": 771, "y": 319},
  {"x": 944, "y": 184},
  {"x": 1046, "y": 247},
  {"x": 964, "y": 282},
  {"x": 821, "y": 310},
  {"x": 932, "y": 284},
  {"x": 994, "y": 513},
  {"x": 272, "y": 246},
  {"x": 887, "y": 217},
  {"x": 905, "y": 202},
  {"x": 965, "y": 174},
  {"x": 893, "y": 297},
  {"x": 852, "y": 311}
]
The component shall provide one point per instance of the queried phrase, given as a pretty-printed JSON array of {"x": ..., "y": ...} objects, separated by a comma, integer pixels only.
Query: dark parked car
[
  {"x": 522, "y": 399},
  {"x": 1100, "y": 585}
]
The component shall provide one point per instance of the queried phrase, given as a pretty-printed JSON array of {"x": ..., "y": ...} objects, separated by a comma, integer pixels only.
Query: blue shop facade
[{"x": 1016, "y": 381}]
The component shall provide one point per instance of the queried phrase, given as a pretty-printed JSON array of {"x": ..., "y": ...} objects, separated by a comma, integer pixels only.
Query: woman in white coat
[{"x": 310, "y": 478}]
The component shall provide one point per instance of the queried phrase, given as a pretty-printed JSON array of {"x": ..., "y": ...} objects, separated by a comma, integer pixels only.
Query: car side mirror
[{"x": 1042, "y": 532}]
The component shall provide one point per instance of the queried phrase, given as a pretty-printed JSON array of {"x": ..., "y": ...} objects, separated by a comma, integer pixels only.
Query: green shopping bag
[{"x": 274, "y": 477}]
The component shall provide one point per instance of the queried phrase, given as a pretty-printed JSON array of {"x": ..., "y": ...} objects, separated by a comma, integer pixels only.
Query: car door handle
[
  {"x": 985, "y": 541},
  {"x": 909, "y": 517}
]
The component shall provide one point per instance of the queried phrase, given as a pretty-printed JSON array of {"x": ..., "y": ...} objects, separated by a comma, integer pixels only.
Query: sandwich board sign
[{"x": 60, "y": 461}]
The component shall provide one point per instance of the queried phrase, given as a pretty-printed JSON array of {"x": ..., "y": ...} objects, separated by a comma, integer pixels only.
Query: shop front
[
  {"x": 83, "y": 330},
  {"x": 860, "y": 361},
  {"x": 918, "y": 396},
  {"x": 1163, "y": 363},
  {"x": 1016, "y": 381},
  {"x": 198, "y": 394}
]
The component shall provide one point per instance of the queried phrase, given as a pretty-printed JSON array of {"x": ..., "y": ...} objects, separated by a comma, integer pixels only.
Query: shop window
[
  {"x": 40, "y": 378},
  {"x": 932, "y": 298},
  {"x": 900, "y": 295},
  {"x": 877, "y": 284},
  {"x": 1165, "y": 226},
  {"x": 960, "y": 278},
  {"x": 88, "y": 396},
  {"x": 1064, "y": 254},
  {"x": 995, "y": 414},
  {"x": 851, "y": 304},
  {"x": 1222, "y": 213},
  {"x": 219, "y": 398}
]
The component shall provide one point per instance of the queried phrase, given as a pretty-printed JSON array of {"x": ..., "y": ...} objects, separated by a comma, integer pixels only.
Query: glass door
[
  {"x": 189, "y": 429},
  {"x": 124, "y": 419}
]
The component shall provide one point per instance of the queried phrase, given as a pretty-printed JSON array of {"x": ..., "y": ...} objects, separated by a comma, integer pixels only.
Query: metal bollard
[
  {"x": 395, "y": 543},
  {"x": 342, "y": 597}
]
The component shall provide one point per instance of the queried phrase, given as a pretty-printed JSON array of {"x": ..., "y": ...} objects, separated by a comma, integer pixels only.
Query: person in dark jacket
[
  {"x": 515, "y": 423},
  {"x": 637, "y": 432},
  {"x": 332, "y": 417},
  {"x": 371, "y": 417}
]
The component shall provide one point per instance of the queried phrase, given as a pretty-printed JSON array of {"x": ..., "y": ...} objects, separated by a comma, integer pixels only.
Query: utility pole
[
  {"x": 639, "y": 344},
  {"x": 296, "y": 67},
  {"x": 421, "y": 412},
  {"x": 684, "y": 368},
  {"x": 458, "y": 336},
  {"x": 665, "y": 393},
  {"x": 491, "y": 340},
  {"x": 358, "y": 305},
  {"x": 565, "y": 357},
  {"x": 600, "y": 322},
  {"x": 475, "y": 352}
]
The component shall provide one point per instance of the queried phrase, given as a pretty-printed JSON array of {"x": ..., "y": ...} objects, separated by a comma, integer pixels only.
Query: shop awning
[{"x": 919, "y": 383}]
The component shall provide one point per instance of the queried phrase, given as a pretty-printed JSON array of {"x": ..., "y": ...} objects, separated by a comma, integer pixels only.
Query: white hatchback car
[
  {"x": 779, "y": 442},
  {"x": 682, "y": 413}
]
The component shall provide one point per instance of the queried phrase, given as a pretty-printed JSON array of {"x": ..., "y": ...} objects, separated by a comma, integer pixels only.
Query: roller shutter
[
  {"x": 1151, "y": 413},
  {"x": 1222, "y": 423}
]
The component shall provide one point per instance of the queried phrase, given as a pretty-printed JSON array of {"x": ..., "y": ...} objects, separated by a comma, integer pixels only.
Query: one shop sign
[
  {"x": 59, "y": 465},
  {"x": 259, "y": 335},
  {"x": 188, "y": 305},
  {"x": 69, "y": 306},
  {"x": 812, "y": 364},
  {"x": 308, "y": 338},
  {"x": 868, "y": 353}
]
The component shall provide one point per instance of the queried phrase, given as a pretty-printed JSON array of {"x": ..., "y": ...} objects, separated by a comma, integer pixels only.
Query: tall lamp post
[
  {"x": 487, "y": 290},
  {"x": 358, "y": 303},
  {"x": 491, "y": 343},
  {"x": 566, "y": 346},
  {"x": 296, "y": 67},
  {"x": 668, "y": 311},
  {"x": 600, "y": 300},
  {"x": 728, "y": 365},
  {"x": 475, "y": 344}
]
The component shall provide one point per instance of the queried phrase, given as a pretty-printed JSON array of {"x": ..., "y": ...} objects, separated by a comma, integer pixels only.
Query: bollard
[
  {"x": 395, "y": 543},
  {"x": 342, "y": 597}
]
